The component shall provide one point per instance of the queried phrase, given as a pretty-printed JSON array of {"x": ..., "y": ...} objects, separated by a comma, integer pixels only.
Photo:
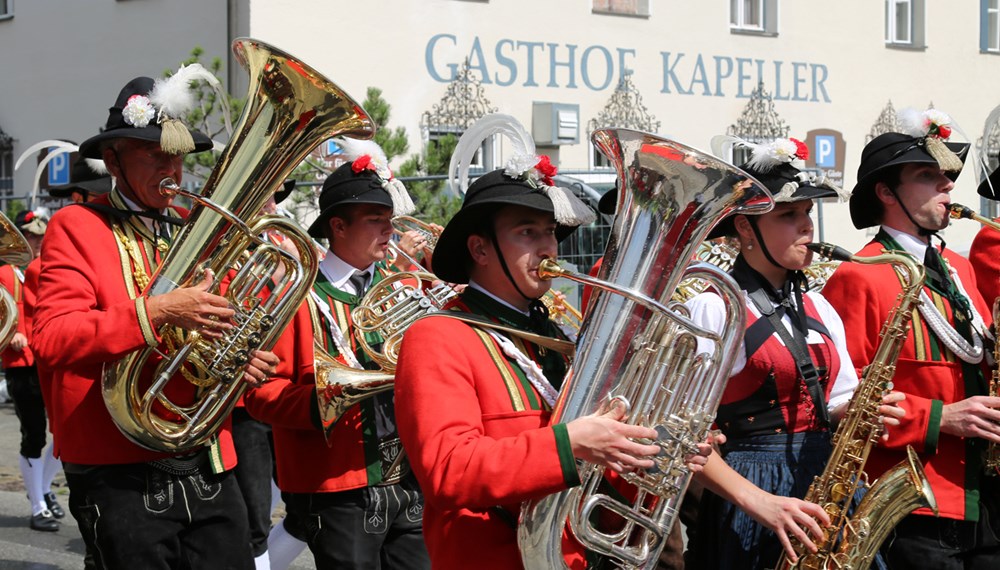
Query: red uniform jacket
[
  {"x": 985, "y": 258},
  {"x": 87, "y": 316},
  {"x": 286, "y": 402},
  {"x": 926, "y": 372},
  {"x": 12, "y": 283},
  {"x": 477, "y": 442}
]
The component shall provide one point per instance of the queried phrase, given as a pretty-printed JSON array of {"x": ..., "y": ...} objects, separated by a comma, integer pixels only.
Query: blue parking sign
[
  {"x": 58, "y": 168},
  {"x": 826, "y": 151},
  {"x": 332, "y": 147}
]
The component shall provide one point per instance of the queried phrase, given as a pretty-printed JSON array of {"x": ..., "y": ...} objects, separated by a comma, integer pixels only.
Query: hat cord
[
  {"x": 537, "y": 311},
  {"x": 763, "y": 244},
  {"x": 922, "y": 231}
]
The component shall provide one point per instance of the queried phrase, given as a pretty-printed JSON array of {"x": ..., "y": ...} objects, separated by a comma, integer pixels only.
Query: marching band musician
[
  {"x": 984, "y": 254},
  {"x": 134, "y": 504},
  {"x": 790, "y": 384},
  {"x": 37, "y": 469},
  {"x": 904, "y": 185},
  {"x": 473, "y": 403},
  {"x": 354, "y": 502}
]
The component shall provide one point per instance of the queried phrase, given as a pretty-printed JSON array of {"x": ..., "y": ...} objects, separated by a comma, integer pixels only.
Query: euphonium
[
  {"x": 634, "y": 348},
  {"x": 992, "y": 459},
  {"x": 14, "y": 250},
  {"x": 388, "y": 308},
  {"x": 290, "y": 109},
  {"x": 853, "y": 542}
]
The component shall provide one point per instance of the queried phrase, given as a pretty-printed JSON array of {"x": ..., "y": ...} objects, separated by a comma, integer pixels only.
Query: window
[
  {"x": 989, "y": 33},
  {"x": 904, "y": 23},
  {"x": 622, "y": 7},
  {"x": 753, "y": 17},
  {"x": 597, "y": 159},
  {"x": 6, "y": 9},
  {"x": 6, "y": 171}
]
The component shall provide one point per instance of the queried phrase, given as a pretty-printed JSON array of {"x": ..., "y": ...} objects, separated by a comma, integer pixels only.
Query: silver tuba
[
  {"x": 290, "y": 109},
  {"x": 638, "y": 347}
]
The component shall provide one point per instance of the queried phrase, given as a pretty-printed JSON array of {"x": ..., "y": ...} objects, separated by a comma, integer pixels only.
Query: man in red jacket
[
  {"x": 354, "y": 502},
  {"x": 37, "y": 469},
  {"x": 474, "y": 403},
  {"x": 904, "y": 185},
  {"x": 138, "y": 507}
]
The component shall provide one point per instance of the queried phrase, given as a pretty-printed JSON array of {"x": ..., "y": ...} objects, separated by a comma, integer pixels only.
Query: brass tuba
[
  {"x": 635, "y": 348},
  {"x": 852, "y": 542},
  {"x": 14, "y": 250},
  {"x": 290, "y": 109}
]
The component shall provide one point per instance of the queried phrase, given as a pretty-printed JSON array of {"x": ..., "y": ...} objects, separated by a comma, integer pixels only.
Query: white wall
[{"x": 384, "y": 43}]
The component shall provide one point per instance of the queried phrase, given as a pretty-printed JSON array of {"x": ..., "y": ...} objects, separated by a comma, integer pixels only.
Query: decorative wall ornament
[
  {"x": 887, "y": 122},
  {"x": 463, "y": 104},
  {"x": 625, "y": 110},
  {"x": 759, "y": 122}
]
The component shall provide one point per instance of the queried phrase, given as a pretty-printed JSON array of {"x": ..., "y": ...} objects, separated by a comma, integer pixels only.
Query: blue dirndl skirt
[{"x": 781, "y": 464}]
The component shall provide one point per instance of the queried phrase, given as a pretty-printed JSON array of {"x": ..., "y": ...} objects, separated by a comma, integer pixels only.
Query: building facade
[{"x": 828, "y": 73}]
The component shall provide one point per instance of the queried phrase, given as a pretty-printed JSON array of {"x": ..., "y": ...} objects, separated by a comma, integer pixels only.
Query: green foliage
[
  {"x": 207, "y": 116},
  {"x": 13, "y": 207},
  {"x": 392, "y": 141},
  {"x": 434, "y": 205}
]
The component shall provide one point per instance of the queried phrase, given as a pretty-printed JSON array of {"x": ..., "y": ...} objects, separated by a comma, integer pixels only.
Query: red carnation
[
  {"x": 801, "y": 150},
  {"x": 944, "y": 131},
  {"x": 29, "y": 216},
  {"x": 361, "y": 163},
  {"x": 546, "y": 169}
]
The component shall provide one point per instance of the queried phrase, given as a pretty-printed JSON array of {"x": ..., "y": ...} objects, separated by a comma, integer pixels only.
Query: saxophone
[{"x": 853, "y": 542}]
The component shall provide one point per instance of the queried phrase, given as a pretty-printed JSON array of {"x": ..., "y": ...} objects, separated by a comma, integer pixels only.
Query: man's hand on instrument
[
  {"x": 696, "y": 462},
  {"x": 19, "y": 342},
  {"x": 978, "y": 416},
  {"x": 890, "y": 412},
  {"x": 262, "y": 366},
  {"x": 787, "y": 516},
  {"x": 192, "y": 308},
  {"x": 413, "y": 244},
  {"x": 605, "y": 440}
]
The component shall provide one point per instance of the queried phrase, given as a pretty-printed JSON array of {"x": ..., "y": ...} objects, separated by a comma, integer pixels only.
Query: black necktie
[{"x": 360, "y": 281}]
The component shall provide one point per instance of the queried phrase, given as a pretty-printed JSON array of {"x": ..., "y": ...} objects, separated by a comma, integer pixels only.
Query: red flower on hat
[
  {"x": 363, "y": 162},
  {"x": 801, "y": 150},
  {"x": 943, "y": 131},
  {"x": 546, "y": 169},
  {"x": 29, "y": 216}
]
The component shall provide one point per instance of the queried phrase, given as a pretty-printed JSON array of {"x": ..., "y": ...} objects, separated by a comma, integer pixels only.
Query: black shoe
[
  {"x": 54, "y": 506},
  {"x": 44, "y": 521}
]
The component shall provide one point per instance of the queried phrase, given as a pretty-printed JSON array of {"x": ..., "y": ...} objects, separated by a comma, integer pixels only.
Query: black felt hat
[
  {"x": 787, "y": 184},
  {"x": 609, "y": 201},
  {"x": 990, "y": 187},
  {"x": 286, "y": 190},
  {"x": 29, "y": 222},
  {"x": 127, "y": 125},
  {"x": 345, "y": 186},
  {"x": 485, "y": 196},
  {"x": 884, "y": 151},
  {"x": 82, "y": 178}
]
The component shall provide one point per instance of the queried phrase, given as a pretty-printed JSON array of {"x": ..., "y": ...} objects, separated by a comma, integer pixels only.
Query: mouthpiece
[
  {"x": 168, "y": 187},
  {"x": 830, "y": 251},
  {"x": 958, "y": 211}
]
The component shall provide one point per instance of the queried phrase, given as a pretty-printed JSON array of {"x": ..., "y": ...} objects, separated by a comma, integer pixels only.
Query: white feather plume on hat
[
  {"x": 174, "y": 98},
  {"x": 567, "y": 208},
  {"x": 353, "y": 149}
]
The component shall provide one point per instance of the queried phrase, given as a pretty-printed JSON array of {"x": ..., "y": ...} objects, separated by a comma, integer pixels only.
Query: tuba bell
[
  {"x": 290, "y": 109},
  {"x": 14, "y": 250},
  {"x": 637, "y": 347}
]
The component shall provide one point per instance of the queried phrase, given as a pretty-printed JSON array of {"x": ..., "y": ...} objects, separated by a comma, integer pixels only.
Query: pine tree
[{"x": 434, "y": 205}]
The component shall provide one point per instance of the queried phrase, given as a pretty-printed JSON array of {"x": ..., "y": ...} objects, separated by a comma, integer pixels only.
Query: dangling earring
[{"x": 750, "y": 245}]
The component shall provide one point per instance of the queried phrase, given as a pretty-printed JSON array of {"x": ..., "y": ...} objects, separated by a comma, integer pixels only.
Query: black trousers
[
  {"x": 138, "y": 516},
  {"x": 374, "y": 528},
  {"x": 252, "y": 440},
  {"x": 22, "y": 384},
  {"x": 945, "y": 544}
]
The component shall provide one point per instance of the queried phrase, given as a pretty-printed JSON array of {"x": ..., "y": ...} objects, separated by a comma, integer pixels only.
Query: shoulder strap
[{"x": 799, "y": 350}]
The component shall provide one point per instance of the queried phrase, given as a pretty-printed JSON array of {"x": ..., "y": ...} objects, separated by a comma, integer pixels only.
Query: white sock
[
  {"x": 31, "y": 471},
  {"x": 262, "y": 562},
  {"x": 282, "y": 547},
  {"x": 52, "y": 468},
  {"x": 275, "y": 496}
]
